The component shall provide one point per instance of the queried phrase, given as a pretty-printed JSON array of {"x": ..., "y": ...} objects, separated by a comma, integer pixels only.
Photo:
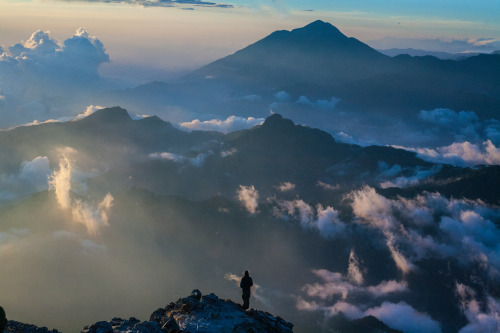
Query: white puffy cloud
[
  {"x": 285, "y": 186},
  {"x": 249, "y": 197},
  {"x": 88, "y": 214},
  {"x": 88, "y": 111},
  {"x": 412, "y": 233},
  {"x": 335, "y": 284},
  {"x": 480, "y": 319},
  {"x": 354, "y": 273},
  {"x": 32, "y": 177},
  {"x": 41, "y": 78},
  {"x": 460, "y": 153},
  {"x": 230, "y": 124},
  {"x": 323, "y": 219},
  {"x": 403, "y": 317}
]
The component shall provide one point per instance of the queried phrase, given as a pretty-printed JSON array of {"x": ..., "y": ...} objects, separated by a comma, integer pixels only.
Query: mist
[{"x": 345, "y": 190}]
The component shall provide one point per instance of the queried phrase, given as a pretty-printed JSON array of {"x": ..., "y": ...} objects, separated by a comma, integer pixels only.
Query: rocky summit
[{"x": 197, "y": 313}]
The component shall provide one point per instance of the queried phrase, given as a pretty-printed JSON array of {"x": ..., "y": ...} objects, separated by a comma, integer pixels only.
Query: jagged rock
[
  {"x": 101, "y": 327},
  {"x": 196, "y": 294},
  {"x": 3, "y": 319},
  {"x": 197, "y": 313},
  {"x": 17, "y": 327}
]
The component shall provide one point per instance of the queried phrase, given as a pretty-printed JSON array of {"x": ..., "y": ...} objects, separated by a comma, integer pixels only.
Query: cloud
[
  {"x": 32, "y": 177},
  {"x": 42, "y": 79},
  {"x": 403, "y": 317},
  {"x": 229, "y": 152},
  {"x": 419, "y": 174},
  {"x": 230, "y": 124},
  {"x": 431, "y": 225},
  {"x": 86, "y": 213},
  {"x": 323, "y": 219},
  {"x": 480, "y": 318},
  {"x": 321, "y": 103},
  {"x": 282, "y": 96},
  {"x": 461, "y": 154},
  {"x": 196, "y": 161},
  {"x": 334, "y": 284},
  {"x": 354, "y": 273},
  {"x": 480, "y": 45},
  {"x": 90, "y": 110},
  {"x": 449, "y": 118},
  {"x": 249, "y": 197},
  {"x": 336, "y": 293},
  {"x": 285, "y": 187},
  {"x": 164, "y": 3},
  {"x": 328, "y": 187}
]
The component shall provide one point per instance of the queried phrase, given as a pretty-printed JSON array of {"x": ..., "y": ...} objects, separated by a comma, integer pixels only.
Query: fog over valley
[{"x": 356, "y": 185}]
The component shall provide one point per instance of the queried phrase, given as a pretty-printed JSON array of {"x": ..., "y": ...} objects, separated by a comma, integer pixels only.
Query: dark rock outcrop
[
  {"x": 17, "y": 327},
  {"x": 197, "y": 313}
]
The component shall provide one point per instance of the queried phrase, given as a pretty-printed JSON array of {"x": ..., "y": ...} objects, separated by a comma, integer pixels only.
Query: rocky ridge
[{"x": 197, "y": 313}]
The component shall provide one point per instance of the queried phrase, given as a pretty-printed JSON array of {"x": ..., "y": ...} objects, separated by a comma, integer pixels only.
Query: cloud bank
[
  {"x": 41, "y": 78},
  {"x": 32, "y": 177},
  {"x": 460, "y": 154},
  {"x": 480, "y": 45},
  {"x": 230, "y": 124},
  {"x": 337, "y": 293}
]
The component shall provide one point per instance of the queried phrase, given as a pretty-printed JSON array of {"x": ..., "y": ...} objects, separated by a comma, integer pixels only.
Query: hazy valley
[{"x": 349, "y": 183}]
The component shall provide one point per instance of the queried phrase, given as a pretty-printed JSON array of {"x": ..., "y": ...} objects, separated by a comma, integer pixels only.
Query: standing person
[{"x": 245, "y": 284}]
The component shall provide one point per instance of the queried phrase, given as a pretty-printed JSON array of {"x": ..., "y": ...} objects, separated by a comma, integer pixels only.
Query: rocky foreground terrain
[
  {"x": 195, "y": 313},
  {"x": 208, "y": 314}
]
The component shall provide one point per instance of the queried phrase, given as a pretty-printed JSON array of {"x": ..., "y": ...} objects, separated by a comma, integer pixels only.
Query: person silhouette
[{"x": 245, "y": 284}]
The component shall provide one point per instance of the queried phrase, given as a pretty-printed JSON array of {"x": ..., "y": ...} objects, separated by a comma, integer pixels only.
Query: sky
[{"x": 157, "y": 39}]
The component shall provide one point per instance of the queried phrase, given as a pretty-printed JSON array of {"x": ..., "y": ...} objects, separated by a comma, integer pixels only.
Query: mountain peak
[
  {"x": 321, "y": 27},
  {"x": 194, "y": 313},
  {"x": 276, "y": 121},
  {"x": 108, "y": 115}
]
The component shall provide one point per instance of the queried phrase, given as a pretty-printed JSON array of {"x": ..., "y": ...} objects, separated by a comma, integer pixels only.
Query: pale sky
[{"x": 153, "y": 40}]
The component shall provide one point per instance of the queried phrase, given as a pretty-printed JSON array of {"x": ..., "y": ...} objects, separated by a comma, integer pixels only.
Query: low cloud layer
[
  {"x": 480, "y": 45},
  {"x": 337, "y": 293},
  {"x": 412, "y": 233},
  {"x": 282, "y": 98},
  {"x": 230, "y": 124}
]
